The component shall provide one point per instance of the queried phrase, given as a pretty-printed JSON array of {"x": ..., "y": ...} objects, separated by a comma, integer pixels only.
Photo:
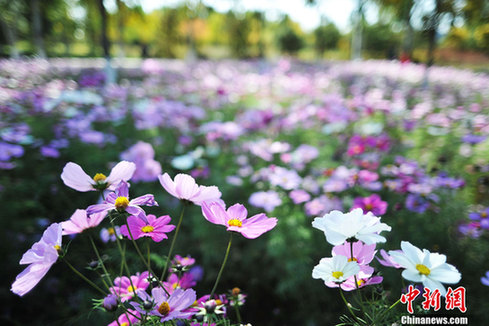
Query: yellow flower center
[
  {"x": 360, "y": 282},
  {"x": 111, "y": 231},
  {"x": 218, "y": 302},
  {"x": 423, "y": 270},
  {"x": 368, "y": 207},
  {"x": 57, "y": 247},
  {"x": 483, "y": 214},
  {"x": 124, "y": 324},
  {"x": 130, "y": 288},
  {"x": 164, "y": 308},
  {"x": 235, "y": 222},
  {"x": 352, "y": 259},
  {"x": 147, "y": 229},
  {"x": 337, "y": 275},
  {"x": 99, "y": 177},
  {"x": 121, "y": 203}
]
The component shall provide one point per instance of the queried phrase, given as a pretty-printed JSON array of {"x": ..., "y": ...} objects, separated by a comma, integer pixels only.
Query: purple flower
[
  {"x": 170, "y": 307},
  {"x": 373, "y": 204},
  {"x": 111, "y": 302},
  {"x": 142, "y": 154},
  {"x": 299, "y": 196},
  {"x": 48, "y": 151},
  {"x": 42, "y": 255},
  {"x": 8, "y": 151},
  {"x": 184, "y": 188},
  {"x": 131, "y": 317},
  {"x": 119, "y": 200},
  {"x": 473, "y": 139},
  {"x": 110, "y": 234},
  {"x": 485, "y": 280},
  {"x": 74, "y": 177},
  {"x": 126, "y": 289},
  {"x": 417, "y": 203},
  {"x": 471, "y": 229},
  {"x": 155, "y": 228},
  {"x": 234, "y": 219},
  {"x": 267, "y": 200}
]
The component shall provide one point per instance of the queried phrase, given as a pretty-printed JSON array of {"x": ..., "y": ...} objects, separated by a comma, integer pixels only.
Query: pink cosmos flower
[
  {"x": 373, "y": 204},
  {"x": 299, "y": 196},
  {"x": 183, "y": 261},
  {"x": 131, "y": 317},
  {"x": 388, "y": 260},
  {"x": 234, "y": 219},
  {"x": 123, "y": 288},
  {"x": 155, "y": 228},
  {"x": 363, "y": 254},
  {"x": 42, "y": 255},
  {"x": 74, "y": 177},
  {"x": 119, "y": 200},
  {"x": 174, "y": 282},
  {"x": 79, "y": 222},
  {"x": 184, "y": 187}
]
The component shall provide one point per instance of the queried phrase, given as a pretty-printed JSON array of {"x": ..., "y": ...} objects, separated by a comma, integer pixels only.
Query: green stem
[
  {"x": 238, "y": 315},
  {"x": 348, "y": 305},
  {"x": 172, "y": 245},
  {"x": 107, "y": 275},
  {"x": 95, "y": 286},
  {"x": 222, "y": 266}
]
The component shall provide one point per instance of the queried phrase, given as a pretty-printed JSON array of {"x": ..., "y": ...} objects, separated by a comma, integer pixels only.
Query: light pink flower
[
  {"x": 184, "y": 187},
  {"x": 74, "y": 177},
  {"x": 79, "y": 222},
  {"x": 126, "y": 289},
  {"x": 234, "y": 219},
  {"x": 41, "y": 257},
  {"x": 156, "y": 228}
]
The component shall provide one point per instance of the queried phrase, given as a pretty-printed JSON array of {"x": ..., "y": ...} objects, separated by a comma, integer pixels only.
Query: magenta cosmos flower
[
  {"x": 126, "y": 289},
  {"x": 373, "y": 204},
  {"x": 155, "y": 228},
  {"x": 74, "y": 177},
  {"x": 184, "y": 187},
  {"x": 363, "y": 254},
  {"x": 119, "y": 200},
  {"x": 41, "y": 257},
  {"x": 79, "y": 222},
  {"x": 234, "y": 219}
]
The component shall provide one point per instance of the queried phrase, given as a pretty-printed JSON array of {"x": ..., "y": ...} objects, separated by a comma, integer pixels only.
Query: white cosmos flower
[
  {"x": 335, "y": 269},
  {"x": 428, "y": 268},
  {"x": 338, "y": 227}
]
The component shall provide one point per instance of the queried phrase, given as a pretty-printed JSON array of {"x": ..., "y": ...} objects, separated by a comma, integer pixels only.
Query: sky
[{"x": 309, "y": 17}]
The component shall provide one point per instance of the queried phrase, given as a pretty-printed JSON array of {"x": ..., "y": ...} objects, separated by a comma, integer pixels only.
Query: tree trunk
[
  {"x": 105, "y": 39},
  {"x": 356, "y": 37},
  {"x": 37, "y": 28},
  {"x": 11, "y": 38}
]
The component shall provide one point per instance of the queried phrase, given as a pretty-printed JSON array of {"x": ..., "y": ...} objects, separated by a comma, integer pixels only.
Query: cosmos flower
[
  {"x": 363, "y": 254},
  {"x": 119, "y": 200},
  {"x": 42, "y": 255},
  {"x": 299, "y": 196},
  {"x": 74, "y": 177},
  {"x": 372, "y": 203},
  {"x": 338, "y": 227},
  {"x": 110, "y": 234},
  {"x": 79, "y": 222},
  {"x": 485, "y": 279},
  {"x": 184, "y": 187},
  {"x": 267, "y": 200},
  {"x": 387, "y": 260},
  {"x": 336, "y": 269},
  {"x": 126, "y": 289},
  {"x": 234, "y": 219},
  {"x": 170, "y": 307},
  {"x": 155, "y": 228},
  {"x": 362, "y": 279},
  {"x": 428, "y": 268}
]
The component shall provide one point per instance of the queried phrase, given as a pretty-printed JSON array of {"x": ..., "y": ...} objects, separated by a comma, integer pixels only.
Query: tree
[
  {"x": 326, "y": 37},
  {"x": 289, "y": 39}
]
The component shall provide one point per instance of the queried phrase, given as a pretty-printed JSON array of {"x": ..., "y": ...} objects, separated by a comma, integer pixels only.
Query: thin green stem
[
  {"x": 348, "y": 305},
  {"x": 172, "y": 245},
  {"x": 106, "y": 273},
  {"x": 95, "y": 286},
  {"x": 222, "y": 266},
  {"x": 238, "y": 315}
]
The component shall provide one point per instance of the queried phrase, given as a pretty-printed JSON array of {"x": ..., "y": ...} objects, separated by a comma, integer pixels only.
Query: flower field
[{"x": 234, "y": 192}]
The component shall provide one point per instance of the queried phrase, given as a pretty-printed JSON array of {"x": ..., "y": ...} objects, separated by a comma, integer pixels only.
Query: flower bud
[{"x": 111, "y": 302}]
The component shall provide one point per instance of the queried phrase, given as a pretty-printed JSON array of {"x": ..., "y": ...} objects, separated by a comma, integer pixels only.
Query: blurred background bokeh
[{"x": 448, "y": 31}]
